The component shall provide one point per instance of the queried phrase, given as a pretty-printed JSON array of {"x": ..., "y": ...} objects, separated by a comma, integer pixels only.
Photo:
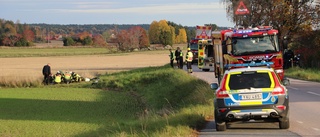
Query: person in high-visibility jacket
[
  {"x": 67, "y": 77},
  {"x": 181, "y": 60},
  {"x": 57, "y": 78},
  {"x": 189, "y": 57},
  {"x": 171, "y": 55},
  {"x": 76, "y": 77}
]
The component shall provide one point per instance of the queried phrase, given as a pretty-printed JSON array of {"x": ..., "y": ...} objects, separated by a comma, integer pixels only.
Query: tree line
[
  {"x": 15, "y": 34},
  {"x": 126, "y": 37}
]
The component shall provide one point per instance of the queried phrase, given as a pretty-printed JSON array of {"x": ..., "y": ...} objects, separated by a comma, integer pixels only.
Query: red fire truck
[
  {"x": 193, "y": 45},
  {"x": 247, "y": 46}
]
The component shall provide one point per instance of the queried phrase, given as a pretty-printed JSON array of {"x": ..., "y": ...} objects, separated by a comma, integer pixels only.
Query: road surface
[{"x": 304, "y": 97}]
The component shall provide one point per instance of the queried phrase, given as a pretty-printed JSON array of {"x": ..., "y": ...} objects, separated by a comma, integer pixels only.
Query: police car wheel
[
  {"x": 221, "y": 126},
  {"x": 285, "y": 124}
]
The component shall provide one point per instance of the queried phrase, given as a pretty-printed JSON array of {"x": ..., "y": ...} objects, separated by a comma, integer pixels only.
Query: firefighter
[
  {"x": 57, "y": 78},
  {"x": 76, "y": 77},
  {"x": 67, "y": 77},
  {"x": 189, "y": 57},
  {"x": 171, "y": 55}
]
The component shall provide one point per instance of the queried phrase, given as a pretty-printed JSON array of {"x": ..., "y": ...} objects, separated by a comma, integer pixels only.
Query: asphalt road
[{"x": 304, "y": 97}]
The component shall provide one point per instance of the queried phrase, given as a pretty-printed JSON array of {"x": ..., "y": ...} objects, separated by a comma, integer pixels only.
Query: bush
[
  {"x": 68, "y": 41},
  {"x": 23, "y": 42}
]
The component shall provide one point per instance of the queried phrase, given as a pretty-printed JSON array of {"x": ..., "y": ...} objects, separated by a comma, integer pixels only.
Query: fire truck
[
  {"x": 193, "y": 45},
  {"x": 255, "y": 46},
  {"x": 205, "y": 48}
]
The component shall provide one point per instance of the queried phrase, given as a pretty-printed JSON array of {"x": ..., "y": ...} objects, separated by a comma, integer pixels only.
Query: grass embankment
[
  {"x": 303, "y": 74},
  {"x": 154, "y": 101}
]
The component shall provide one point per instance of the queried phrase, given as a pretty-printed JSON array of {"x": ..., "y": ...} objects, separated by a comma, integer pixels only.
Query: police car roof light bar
[{"x": 251, "y": 64}]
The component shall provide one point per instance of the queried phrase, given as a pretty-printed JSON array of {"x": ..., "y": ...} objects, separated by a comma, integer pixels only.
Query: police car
[{"x": 251, "y": 94}]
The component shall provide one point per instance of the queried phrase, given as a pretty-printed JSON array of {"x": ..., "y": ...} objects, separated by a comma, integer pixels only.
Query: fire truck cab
[{"x": 248, "y": 45}]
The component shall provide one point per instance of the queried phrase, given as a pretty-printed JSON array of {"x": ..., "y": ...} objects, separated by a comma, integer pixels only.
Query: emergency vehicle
[
  {"x": 193, "y": 45},
  {"x": 252, "y": 94},
  {"x": 246, "y": 45},
  {"x": 205, "y": 48}
]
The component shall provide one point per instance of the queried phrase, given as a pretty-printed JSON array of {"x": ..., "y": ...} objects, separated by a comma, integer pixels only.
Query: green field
[
  {"x": 59, "y": 51},
  {"x": 154, "y": 101}
]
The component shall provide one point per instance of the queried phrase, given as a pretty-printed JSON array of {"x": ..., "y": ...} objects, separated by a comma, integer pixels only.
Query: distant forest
[
  {"x": 91, "y": 28},
  {"x": 123, "y": 36},
  {"x": 101, "y": 28}
]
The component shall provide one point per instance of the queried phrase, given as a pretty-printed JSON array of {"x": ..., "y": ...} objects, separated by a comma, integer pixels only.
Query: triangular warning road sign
[
  {"x": 242, "y": 9},
  {"x": 203, "y": 33}
]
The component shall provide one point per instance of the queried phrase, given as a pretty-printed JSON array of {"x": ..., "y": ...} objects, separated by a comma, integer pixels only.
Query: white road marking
[
  {"x": 313, "y": 93},
  {"x": 315, "y": 129},
  {"x": 300, "y": 122}
]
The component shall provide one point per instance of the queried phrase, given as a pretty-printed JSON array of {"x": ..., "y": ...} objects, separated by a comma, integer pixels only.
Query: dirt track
[{"x": 88, "y": 66}]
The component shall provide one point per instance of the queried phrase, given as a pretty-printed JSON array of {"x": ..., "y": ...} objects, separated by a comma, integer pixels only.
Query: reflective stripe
[{"x": 248, "y": 103}]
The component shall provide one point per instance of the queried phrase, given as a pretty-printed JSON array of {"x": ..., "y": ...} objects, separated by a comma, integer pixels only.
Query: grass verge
[
  {"x": 154, "y": 101},
  {"x": 303, "y": 74}
]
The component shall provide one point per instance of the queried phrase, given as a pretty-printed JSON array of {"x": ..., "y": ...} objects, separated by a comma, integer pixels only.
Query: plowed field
[{"x": 30, "y": 68}]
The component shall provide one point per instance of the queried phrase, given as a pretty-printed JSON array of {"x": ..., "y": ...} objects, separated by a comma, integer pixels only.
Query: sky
[{"x": 183, "y": 12}]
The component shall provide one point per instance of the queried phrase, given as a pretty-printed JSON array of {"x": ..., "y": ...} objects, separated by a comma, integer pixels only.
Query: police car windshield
[
  {"x": 249, "y": 80},
  {"x": 254, "y": 45}
]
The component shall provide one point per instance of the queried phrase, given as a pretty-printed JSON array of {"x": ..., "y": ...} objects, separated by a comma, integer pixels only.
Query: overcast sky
[{"x": 184, "y": 12}]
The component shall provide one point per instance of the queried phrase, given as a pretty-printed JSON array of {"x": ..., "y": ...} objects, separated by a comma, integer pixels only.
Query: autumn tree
[
  {"x": 11, "y": 40},
  {"x": 99, "y": 40},
  {"x": 179, "y": 37},
  {"x": 85, "y": 38},
  {"x": 138, "y": 37},
  {"x": 9, "y": 28},
  {"x": 28, "y": 34},
  {"x": 165, "y": 35},
  {"x": 154, "y": 32},
  {"x": 144, "y": 39},
  {"x": 122, "y": 40},
  {"x": 81, "y": 36},
  {"x": 173, "y": 33},
  {"x": 182, "y": 36}
]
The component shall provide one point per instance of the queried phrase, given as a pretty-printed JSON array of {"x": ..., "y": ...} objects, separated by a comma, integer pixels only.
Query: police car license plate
[{"x": 257, "y": 96}]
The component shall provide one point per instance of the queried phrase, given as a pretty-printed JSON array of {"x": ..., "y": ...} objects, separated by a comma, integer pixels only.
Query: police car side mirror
[{"x": 214, "y": 86}]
